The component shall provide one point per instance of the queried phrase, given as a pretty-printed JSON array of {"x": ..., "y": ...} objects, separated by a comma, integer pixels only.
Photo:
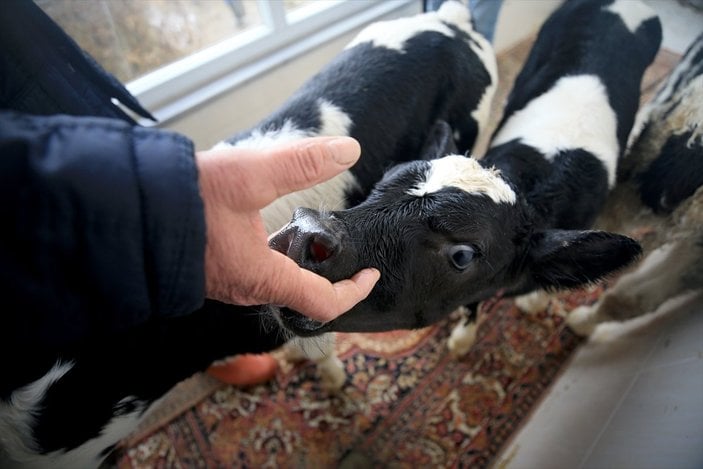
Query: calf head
[{"x": 443, "y": 233}]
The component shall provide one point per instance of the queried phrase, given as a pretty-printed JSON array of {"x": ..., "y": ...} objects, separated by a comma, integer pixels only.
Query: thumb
[
  {"x": 315, "y": 296},
  {"x": 305, "y": 163},
  {"x": 320, "y": 302}
]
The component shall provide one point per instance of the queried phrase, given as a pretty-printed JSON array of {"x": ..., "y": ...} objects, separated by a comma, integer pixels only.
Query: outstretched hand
[{"x": 240, "y": 268}]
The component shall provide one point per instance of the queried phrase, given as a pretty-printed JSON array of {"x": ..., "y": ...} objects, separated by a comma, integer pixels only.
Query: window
[{"x": 175, "y": 54}]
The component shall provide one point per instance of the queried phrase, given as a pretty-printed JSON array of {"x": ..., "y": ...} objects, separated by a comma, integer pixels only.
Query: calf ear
[
  {"x": 570, "y": 258},
  {"x": 439, "y": 142}
]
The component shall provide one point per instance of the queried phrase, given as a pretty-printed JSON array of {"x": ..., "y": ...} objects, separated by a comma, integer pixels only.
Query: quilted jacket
[{"x": 103, "y": 224}]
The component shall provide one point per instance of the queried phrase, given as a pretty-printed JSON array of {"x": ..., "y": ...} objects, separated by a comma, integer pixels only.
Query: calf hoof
[
  {"x": 583, "y": 320},
  {"x": 534, "y": 302},
  {"x": 462, "y": 339},
  {"x": 332, "y": 374}
]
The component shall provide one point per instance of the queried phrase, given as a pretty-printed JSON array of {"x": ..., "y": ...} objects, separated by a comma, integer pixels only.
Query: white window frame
[{"x": 175, "y": 88}]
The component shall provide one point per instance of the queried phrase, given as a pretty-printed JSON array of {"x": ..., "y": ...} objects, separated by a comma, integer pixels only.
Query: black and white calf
[
  {"x": 568, "y": 118},
  {"x": 416, "y": 81},
  {"x": 398, "y": 83},
  {"x": 664, "y": 170},
  {"x": 455, "y": 231}
]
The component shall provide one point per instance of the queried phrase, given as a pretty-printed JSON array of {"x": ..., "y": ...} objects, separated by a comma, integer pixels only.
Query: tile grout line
[{"x": 635, "y": 377}]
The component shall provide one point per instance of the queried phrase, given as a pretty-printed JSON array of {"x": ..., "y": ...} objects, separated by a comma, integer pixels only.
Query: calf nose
[{"x": 308, "y": 239}]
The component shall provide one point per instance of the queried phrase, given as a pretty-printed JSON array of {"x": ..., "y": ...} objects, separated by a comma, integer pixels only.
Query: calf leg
[
  {"x": 463, "y": 335},
  {"x": 533, "y": 302},
  {"x": 321, "y": 351}
]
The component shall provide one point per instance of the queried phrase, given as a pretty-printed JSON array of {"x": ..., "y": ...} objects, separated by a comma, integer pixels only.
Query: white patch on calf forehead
[
  {"x": 574, "y": 113},
  {"x": 466, "y": 174},
  {"x": 633, "y": 13}
]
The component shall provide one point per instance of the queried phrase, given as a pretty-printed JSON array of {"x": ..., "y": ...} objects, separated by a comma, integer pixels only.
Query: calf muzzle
[{"x": 315, "y": 242}]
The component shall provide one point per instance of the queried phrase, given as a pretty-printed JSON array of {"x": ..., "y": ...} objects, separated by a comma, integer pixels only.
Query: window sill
[{"x": 172, "y": 91}]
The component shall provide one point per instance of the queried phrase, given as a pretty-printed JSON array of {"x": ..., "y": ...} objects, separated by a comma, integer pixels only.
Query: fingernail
[
  {"x": 371, "y": 275},
  {"x": 345, "y": 150}
]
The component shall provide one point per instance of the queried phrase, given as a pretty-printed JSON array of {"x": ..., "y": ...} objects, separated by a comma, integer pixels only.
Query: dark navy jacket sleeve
[{"x": 103, "y": 227}]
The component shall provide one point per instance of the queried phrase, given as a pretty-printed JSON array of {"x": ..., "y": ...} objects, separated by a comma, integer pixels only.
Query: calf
[
  {"x": 455, "y": 230},
  {"x": 662, "y": 179},
  {"x": 397, "y": 83}
]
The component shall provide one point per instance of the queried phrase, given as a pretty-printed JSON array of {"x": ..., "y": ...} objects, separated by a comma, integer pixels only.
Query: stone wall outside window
[{"x": 133, "y": 37}]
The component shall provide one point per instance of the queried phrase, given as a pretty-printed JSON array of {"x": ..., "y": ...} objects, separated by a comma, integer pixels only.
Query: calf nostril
[
  {"x": 281, "y": 241},
  {"x": 320, "y": 249}
]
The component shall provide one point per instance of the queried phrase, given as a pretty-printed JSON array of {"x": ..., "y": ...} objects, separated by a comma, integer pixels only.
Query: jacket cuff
[{"x": 174, "y": 220}]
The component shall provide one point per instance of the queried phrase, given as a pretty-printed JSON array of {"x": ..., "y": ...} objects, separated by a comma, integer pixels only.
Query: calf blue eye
[{"x": 461, "y": 256}]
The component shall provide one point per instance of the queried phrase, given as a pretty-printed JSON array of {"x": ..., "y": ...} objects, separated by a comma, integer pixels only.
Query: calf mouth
[
  {"x": 298, "y": 324},
  {"x": 315, "y": 242},
  {"x": 318, "y": 242}
]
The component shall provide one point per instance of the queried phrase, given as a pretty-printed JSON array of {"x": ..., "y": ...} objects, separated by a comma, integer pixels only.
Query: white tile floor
[{"x": 632, "y": 397}]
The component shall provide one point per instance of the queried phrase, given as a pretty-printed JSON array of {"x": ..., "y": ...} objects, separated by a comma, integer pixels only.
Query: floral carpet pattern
[{"x": 406, "y": 402}]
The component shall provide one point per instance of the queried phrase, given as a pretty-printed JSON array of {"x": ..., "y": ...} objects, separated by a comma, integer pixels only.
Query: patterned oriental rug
[{"x": 406, "y": 402}]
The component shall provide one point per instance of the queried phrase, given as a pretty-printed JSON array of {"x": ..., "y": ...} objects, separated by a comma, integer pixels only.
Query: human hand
[{"x": 240, "y": 268}]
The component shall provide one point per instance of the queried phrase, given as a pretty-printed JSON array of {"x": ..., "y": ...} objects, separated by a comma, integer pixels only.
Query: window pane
[
  {"x": 292, "y": 5},
  {"x": 297, "y": 10},
  {"x": 133, "y": 37}
]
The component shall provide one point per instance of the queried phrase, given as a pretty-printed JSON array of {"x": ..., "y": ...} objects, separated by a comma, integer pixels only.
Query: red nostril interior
[{"x": 319, "y": 251}]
